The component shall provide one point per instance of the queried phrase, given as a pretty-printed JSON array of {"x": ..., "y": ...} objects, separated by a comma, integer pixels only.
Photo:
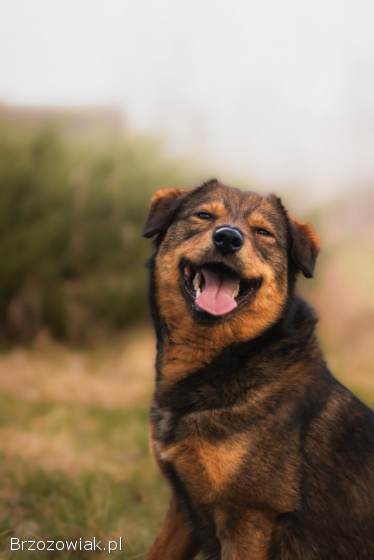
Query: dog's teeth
[
  {"x": 196, "y": 282},
  {"x": 236, "y": 291}
]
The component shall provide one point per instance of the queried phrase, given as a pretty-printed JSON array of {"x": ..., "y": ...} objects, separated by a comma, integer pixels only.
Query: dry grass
[
  {"x": 116, "y": 374},
  {"x": 74, "y": 454}
]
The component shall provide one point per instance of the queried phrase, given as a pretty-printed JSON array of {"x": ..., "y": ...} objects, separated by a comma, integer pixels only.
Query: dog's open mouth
[{"x": 215, "y": 288}]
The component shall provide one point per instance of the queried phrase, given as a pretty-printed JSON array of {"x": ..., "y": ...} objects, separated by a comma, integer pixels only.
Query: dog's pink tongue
[{"x": 217, "y": 295}]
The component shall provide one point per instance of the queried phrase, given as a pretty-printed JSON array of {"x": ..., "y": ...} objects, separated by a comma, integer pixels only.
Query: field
[{"x": 75, "y": 459}]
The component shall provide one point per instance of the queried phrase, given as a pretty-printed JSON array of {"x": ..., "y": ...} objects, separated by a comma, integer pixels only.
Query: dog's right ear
[{"x": 164, "y": 203}]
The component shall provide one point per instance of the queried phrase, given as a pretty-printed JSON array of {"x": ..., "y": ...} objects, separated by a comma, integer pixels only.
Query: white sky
[{"x": 279, "y": 91}]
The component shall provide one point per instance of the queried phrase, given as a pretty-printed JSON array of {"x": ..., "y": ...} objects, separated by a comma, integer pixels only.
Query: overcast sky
[{"x": 279, "y": 91}]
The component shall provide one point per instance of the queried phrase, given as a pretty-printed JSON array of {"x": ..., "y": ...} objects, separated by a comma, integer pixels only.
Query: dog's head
[{"x": 225, "y": 260}]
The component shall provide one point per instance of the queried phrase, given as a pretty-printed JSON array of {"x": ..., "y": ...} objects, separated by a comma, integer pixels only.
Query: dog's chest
[
  {"x": 249, "y": 464},
  {"x": 206, "y": 468}
]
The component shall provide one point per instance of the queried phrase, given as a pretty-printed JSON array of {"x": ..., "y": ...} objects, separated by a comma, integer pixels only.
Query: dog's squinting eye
[
  {"x": 264, "y": 232},
  {"x": 204, "y": 215}
]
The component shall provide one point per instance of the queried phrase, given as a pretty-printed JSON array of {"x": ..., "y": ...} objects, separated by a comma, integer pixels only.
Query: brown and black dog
[{"x": 267, "y": 455}]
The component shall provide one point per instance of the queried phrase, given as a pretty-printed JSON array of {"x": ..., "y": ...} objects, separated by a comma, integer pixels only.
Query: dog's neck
[
  {"x": 181, "y": 354},
  {"x": 286, "y": 355}
]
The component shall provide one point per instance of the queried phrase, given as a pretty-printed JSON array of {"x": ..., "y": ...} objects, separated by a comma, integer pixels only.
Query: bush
[{"x": 71, "y": 253}]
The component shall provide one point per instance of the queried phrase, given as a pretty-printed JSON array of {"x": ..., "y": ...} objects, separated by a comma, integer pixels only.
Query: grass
[
  {"x": 71, "y": 471},
  {"x": 78, "y": 465},
  {"x": 74, "y": 455},
  {"x": 48, "y": 504}
]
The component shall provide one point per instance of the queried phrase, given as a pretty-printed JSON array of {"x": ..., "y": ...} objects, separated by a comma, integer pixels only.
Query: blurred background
[{"x": 101, "y": 103}]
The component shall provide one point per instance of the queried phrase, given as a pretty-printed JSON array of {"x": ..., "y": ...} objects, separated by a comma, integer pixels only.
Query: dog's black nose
[{"x": 228, "y": 239}]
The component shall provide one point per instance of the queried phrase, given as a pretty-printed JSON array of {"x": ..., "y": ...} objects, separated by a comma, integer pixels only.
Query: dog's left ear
[
  {"x": 305, "y": 246},
  {"x": 304, "y": 241},
  {"x": 164, "y": 203}
]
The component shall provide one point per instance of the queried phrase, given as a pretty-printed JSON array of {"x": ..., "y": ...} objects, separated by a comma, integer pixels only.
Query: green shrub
[{"x": 70, "y": 232}]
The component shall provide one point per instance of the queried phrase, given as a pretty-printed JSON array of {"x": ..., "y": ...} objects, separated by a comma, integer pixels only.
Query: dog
[{"x": 267, "y": 455}]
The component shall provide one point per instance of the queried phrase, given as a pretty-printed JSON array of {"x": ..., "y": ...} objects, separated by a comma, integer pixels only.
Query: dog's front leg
[
  {"x": 248, "y": 538},
  {"x": 175, "y": 540}
]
